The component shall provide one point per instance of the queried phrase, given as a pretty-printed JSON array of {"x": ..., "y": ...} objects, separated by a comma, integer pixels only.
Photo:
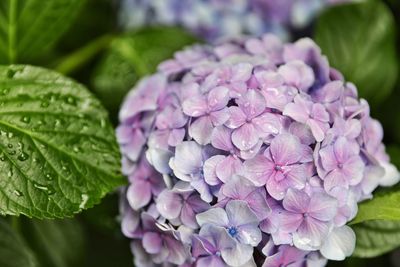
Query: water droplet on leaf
[
  {"x": 44, "y": 104},
  {"x": 26, "y": 119},
  {"x": 23, "y": 156},
  {"x": 49, "y": 177},
  {"x": 18, "y": 193}
]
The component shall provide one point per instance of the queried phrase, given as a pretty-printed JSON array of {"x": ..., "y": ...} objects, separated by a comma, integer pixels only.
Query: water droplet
[
  {"x": 85, "y": 199},
  {"x": 10, "y": 173},
  {"x": 10, "y": 146},
  {"x": 51, "y": 191},
  {"x": 12, "y": 153},
  {"x": 26, "y": 119},
  {"x": 70, "y": 100},
  {"x": 66, "y": 170},
  {"x": 5, "y": 91},
  {"x": 77, "y": 149},
  {"x": 44, "y": 104},
  {"x": 40, "y": 187},
  {"x": 42, "y": 146},
  {"x": 49, "y": 177},
  {"x": 57, "y": 123},
  {"x": 18, "y": 193},
  {"x": 20, "y": 145},
  {"x": 23, "y": 156},
  {"x": 10, "y": 135},
  {"x": 103, "y": 123}
]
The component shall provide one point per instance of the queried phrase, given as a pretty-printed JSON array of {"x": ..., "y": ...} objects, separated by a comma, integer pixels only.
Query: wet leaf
[{"x": 58, "y": 153}]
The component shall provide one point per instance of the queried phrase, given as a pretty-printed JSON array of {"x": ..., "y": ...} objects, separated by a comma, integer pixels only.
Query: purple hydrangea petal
[
  {"x": 296, "y": 201},
  {"x": 169, "y": 204},
  {"x": 339, "y": 244},
  {"x": 297, "y": 74},
  {"x": 139, "y": 194},
  {"x": 237, "y": 118},
  {"x": 245, "y": 137},
  {"x": 210, "y": 169},
  {"x": 152, "y": 242},
  {"x": 215, "y": 216},
  {"x": 201, "y": 130}
]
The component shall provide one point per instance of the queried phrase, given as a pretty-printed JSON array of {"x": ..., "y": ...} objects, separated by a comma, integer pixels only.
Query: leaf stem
[
  {"x": 12, "y": 31},
  {"x": 80, "y": 57}
]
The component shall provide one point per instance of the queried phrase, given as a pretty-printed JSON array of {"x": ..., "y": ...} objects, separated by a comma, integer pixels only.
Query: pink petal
[
  {"x": 296, "y": 201},
  {"x": 152, "y": 242},
  {"x": 255, "y": 46},
  {"x": 237, "y": 118},
  {"x": 298, "y": 74},
  {"x": 335, "y": 179},
  {"x": 286, "y": 149},
  {"x": 311, "y": 234},
  {"x": 228, "y": 167},
  {"x": 322, "y": 207},
  {"x": 258, "y": 170},
  {"x": 252, "y": 103},
  {"x": 319, "y": 113},
  {"x": 176, "y": 137},
  {"x": 342, "y": 150},
  {"x": 188, "y": 217},
  {"x": 245, "y": 137},
  {"x": 296, "y": 112},
  {"x": 133, "y": 149},
  {"x": 328, "y": 158},
  {"x": 169, "y": 204},
  {"x": 241, "y": 72},
  {"x": 289, "y": 222},
  {"x": 257, "y": 202},
  {"x": 303, "y": 132},
  {"x": 268, "y": 124},
  {"x": 354, "y": 170},
  {"x": 269, "y": 79},
  {"x": 250, "y": 153},
  {"x": 209, "y": 168},
  {"x": 221, "y": 138},
  {"x": 317, "y": 129},
  {"x": 277, "y": 188},
  {"x": 195, "y": 106},
  {"x": 219, "y": 117},
  {"x": 201, "y": 130},
  {"x": 139, "y": 194},
  {"x": 218, "y": 98}
]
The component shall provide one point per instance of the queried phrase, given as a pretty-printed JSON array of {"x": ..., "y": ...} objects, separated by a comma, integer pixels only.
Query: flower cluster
[
  {"x": 249, "y": 153},
  {"x": 213, "y": 19}
]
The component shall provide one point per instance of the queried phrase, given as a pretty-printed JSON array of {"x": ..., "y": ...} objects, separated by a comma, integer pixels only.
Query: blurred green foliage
[
  {"x": 131, "y": 57},
  {"x": 359, "y": 40}
]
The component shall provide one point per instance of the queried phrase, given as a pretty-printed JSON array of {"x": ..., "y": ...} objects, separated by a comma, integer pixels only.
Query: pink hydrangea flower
[{"x": 251, "y": 147}]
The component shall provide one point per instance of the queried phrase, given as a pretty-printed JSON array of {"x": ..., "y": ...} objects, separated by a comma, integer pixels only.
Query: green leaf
[
  {"x": 29, "y": 27},
  {"x": 132, "y": 56},
  {"x": 56, "y": 243},
  {"x": 58, "y": 153},
  {"x": 13, "y": 250},
  {"x": 384, "y": 206},
  {"x": 375, "y": 238},
  {"x": 359, "y": 40}
]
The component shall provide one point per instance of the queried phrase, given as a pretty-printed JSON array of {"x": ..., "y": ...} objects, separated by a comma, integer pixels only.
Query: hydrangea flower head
[
  {"x": 248, "y": 153},
  {"x": 214, "y": 19}
]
